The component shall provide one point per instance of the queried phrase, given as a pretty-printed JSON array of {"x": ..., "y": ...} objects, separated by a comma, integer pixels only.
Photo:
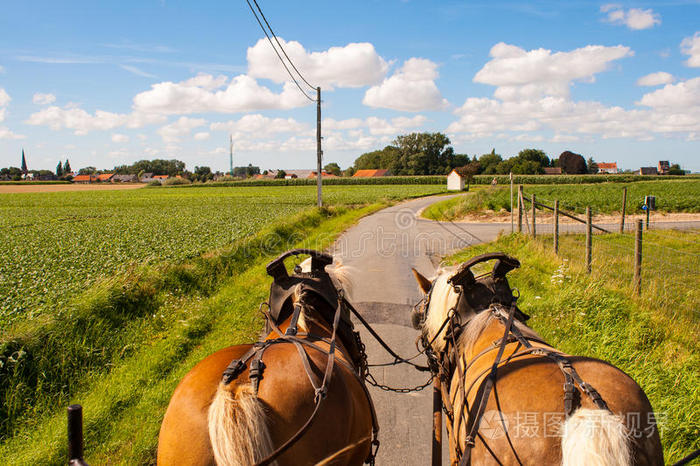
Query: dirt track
[{"x": 51, "y": 188}]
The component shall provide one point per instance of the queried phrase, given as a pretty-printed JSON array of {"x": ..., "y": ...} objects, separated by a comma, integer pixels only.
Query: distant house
[
  {"x": 371, "y": 173},
  {"x": 552, "y": 170},
  {"x": 123, "y": 179},
  {"x": 648, "y": 171},
  {"x": 455, "y": 181},
  {"x": 84, "y": 179},
  {"x": 607, "y": 167},
  {"x": 292, "y": 174},
  {"x": 105, "y": 177},
  {"x": 664, "y": 167},
  {"x": 161, "y": 177}
]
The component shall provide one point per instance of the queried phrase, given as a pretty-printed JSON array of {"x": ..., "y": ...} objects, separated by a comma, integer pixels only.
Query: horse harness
[
  {"x": 279, "y": 308},
  {"x": 501, "y": 303}
]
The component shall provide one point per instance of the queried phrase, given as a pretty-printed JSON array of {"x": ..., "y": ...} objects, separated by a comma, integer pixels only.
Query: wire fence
[{"x": 645, "y": 256}]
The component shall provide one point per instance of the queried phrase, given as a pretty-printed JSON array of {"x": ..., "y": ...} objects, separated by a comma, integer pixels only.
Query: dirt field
[{"x": 51, "y": 188}]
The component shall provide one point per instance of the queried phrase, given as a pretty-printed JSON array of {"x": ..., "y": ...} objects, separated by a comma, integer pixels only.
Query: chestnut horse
[
  {"x": 210, "y": 421},
  {"x": 502, "y": 384}
]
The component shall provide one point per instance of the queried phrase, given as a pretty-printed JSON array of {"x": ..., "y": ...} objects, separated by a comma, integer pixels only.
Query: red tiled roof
[
  {"x": 84, "y": 178},
  {"x": 105, "y": 176},
  {"x": 161, "y": 177},
  {"x": 370, "y": 173},
  {"x": 607, "y": 165}
]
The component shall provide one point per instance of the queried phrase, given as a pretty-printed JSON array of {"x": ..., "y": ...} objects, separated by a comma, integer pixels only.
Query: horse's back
[
  {"x": 529, "y": 394},
  {"x": 184, "y": 433}
]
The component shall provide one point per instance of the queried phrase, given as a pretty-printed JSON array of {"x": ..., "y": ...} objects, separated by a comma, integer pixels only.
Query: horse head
[{"x": 455, "y": 292}]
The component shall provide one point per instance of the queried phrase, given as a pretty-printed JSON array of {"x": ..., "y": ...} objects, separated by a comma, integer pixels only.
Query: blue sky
[{"x": 109, "y": 83}]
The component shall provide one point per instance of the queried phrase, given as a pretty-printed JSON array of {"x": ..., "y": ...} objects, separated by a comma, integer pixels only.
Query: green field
[
  {"x": 604, "y": 198},
  {"x": 59, "y": 243},
  {"x": 142, "y": 285},
  {"x": 653, "y": 337}
]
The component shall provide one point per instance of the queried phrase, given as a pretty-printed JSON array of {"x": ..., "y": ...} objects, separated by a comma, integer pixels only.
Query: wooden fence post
[
  {"x": 637, "y": 282},
  {"x": 624, "y": 205},
  {"x": 534, "y": 208},
  {"x": 556, "y": 227},
  {"x": 520, "y": 208},
  {"x": 589, "y": 239}
]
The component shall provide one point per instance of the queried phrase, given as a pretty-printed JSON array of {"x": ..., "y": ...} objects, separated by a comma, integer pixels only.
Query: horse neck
[{"x": 493, "y": 331}]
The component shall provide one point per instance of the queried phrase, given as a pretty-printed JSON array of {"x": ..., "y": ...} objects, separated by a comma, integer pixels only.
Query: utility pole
[
  {"x": 230, "y": 157},
  {"x": 319, "y": 152}
]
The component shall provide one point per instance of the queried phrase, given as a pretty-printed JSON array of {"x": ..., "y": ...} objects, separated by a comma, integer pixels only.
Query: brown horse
[
  {"x": 502, "y": 385},
  {"x": 242, "y": 422}
]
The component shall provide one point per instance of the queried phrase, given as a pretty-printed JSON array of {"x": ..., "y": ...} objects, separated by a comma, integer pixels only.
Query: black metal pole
[
  {"x": 319, "y": 152},
  {"x": 75, "y": 435}
]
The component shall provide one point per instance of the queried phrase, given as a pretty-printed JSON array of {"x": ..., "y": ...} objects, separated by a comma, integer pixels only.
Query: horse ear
[{"x": 423, "y": 283}]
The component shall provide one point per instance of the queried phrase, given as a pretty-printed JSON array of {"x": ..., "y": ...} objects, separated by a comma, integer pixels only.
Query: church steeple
[{"x": 24, "y": 164}]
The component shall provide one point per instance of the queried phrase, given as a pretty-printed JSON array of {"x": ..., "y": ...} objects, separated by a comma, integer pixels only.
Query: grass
[
  {"x": 62, "y": 242},
  {"x": 654, "y": 338},
  {"x": 125, "y": 399},
  {"x": 603, "y": 198}
]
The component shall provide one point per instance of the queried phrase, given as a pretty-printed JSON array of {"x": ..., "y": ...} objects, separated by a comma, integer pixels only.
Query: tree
[
  {"x": 87, "y": 171},
  {"x": 489, "y": 162},
  {"x": 24, "y": 164},
  {"x": 468, "y": 171},
  {"x": 203, "y": 174},
  {"x": 333, "y": 168},
  {"x": 592, "y": 166},
  {"x": 59, "y": 169},
  {"x": 280, "y": 174},
  {"x": 676, "y": 170},
  {"x": 66, "y": 168},
  {"x": 349, "y": 171},
  {"x": 572, "y": 164}
]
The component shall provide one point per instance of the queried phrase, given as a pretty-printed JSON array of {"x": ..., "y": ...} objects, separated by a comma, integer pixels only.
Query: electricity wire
[{"x": 278, "y": 54}]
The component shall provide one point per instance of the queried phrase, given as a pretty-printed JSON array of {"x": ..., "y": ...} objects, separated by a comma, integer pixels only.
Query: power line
[
  {"x": 282, "y": 48},
  {"x": 276, "y": 52}
]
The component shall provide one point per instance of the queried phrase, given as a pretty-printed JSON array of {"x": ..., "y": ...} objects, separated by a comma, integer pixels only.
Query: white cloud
[
  {"x": 174, "y": 131},
  {"x": 684, "y": 95},
  {"x": 116, "y": 137},
  {"x": 259, "y": 126},
  {"x": 354, "y": 65},
  {"x": 634, "y": 18},
  {"x": 83, "y": 122},
  {"x": 521, "y": 74},
  {"x": 375, "y": 125},
  {"x": 656, "y": 79},
  {"x": 691, "y": 46},
  {"x": 200, "y": 95},
  {"x": 4, "y": 97},
  {"x": 137, "y": 71},
  {"x": 43, "y": 99},
  {"x": 412, "y": 88},
  {"x": 201, "y": 136},
  {"x": 5, "y": 133}
]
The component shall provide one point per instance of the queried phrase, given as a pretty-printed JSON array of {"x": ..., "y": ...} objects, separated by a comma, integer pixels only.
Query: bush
[
  {"x": 153, "y": 183},
  {"x": 176, "y": 181}
]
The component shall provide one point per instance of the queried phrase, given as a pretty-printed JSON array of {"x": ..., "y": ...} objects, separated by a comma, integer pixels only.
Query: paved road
[{"x": 383, "y": 247}]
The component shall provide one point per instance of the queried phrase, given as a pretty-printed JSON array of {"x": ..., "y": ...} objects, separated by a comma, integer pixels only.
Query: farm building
[
  {"x": 105, "y": 177},
  {"x": 455, "y": 181},
  {"x": 123, "y": 178},
  {"x": 552, "y": 170},
  {"x": 648, "y": 171},
  {"x": 84, "y": 179},
  {"x": 161, "y": 178},
  {"x": 302, "y": 174},
  {"x": 607, "y": 167},
  {"x": 371, "y": 173},
  {"x": 664, "y": 167}
]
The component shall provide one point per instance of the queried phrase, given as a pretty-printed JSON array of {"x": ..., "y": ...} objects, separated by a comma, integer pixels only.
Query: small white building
[{"x": 455, "y": 181}]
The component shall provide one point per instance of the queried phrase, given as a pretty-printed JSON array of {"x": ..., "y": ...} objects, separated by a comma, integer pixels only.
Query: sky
[{"x": 109, "y": 83}]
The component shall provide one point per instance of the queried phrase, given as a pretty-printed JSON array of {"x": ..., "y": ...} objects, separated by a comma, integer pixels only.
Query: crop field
[
  {"x": 605, "y": 198},
  {"x": 56, "y": 244}
]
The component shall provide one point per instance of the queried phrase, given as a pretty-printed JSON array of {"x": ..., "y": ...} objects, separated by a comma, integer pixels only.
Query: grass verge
[
  {"x": 122, "y": 350},
  {"x": 654, "y": 338}
]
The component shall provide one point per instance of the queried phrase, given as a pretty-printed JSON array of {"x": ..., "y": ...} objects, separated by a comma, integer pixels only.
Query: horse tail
[
  {"x": 237, "y": 430},
  {"x": 595, "y": 437}
]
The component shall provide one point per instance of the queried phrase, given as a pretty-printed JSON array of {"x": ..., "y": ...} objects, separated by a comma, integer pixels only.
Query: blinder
[{"x": 317, "y": 280}]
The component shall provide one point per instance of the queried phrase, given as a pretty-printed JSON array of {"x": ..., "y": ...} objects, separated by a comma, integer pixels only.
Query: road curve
[{"x": 382, "y": 248}]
